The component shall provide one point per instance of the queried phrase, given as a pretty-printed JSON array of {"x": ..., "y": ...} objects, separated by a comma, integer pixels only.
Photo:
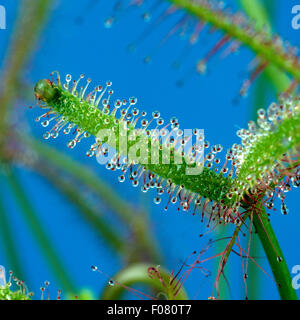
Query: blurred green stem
[
  {"x": 9, "y": 241},
  {"x": 95, "y": 217},
  {"x": 31, "y": 16},
  {"x": 133, "y": 218},
  {"x": 256, "y": 11},
  {"x": 59, "y": 270},
  {"x": 267, "y": 52},
  {"x": 138, "y": 274}
]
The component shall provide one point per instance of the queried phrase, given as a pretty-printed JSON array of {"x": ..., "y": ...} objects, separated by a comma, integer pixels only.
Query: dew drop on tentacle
[
  {"x": 270, "y": 204},
  {"x": 111, "y": 283},
  {"x": 45, "y": 123},
  {"x": 121, "y": 178},
  {"x": 144, "y": 189},
  {"x": 72, "y": 144},
  {"x": 109, "y": 22},
  {"x": 54, "y": 134},
  {"x": 287, "y": 187},
  {"x": 135, "y": 183},
  {"x": 90, "y": 153},
  {"x": 146, "y": 16},
  {"x": 68, "y": 80},
  {"x": 201, "y": 67},
  {"x": 157, "y": 200},
  {"x": 46, "y": 135},
  {"x": 94, "y": 268},
  {"x": 295, "y": 181},
  {"x": 284, "y": 209}
]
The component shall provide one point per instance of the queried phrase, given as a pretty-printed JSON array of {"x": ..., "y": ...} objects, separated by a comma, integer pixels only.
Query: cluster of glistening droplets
[
  {"x": 190, "y": 27},
  {"x": 171, "y": 180},
  {"x": 217, "y": 190},
  {"x": 62, "y": 124},
  {"x": 45, "y": 293},
  {"x": 267, "y": 160},
  {"x": 6, "y": 291}
]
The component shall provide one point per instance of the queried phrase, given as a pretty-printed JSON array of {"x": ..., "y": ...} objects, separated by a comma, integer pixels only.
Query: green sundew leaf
[
  {"x": 269, "y": 148},
  {"x": 7, "y": 294},
  {"x": 279, "y": 79},
  {"x": 6, "y": 288},
  {"x": 265, "y": 51},
  {"x": 265, "y": 146},
  {"x": 205, "y": 183},
  {"x": 256, "y": 11}
]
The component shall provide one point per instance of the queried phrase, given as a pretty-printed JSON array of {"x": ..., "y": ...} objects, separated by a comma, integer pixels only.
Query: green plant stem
[
  {"x": 258, "y": 12},
  {"x": 254, "y": 285},
  {"x": 59, "y": 270},
  {"x": 263, "y": 227},
  {"x": 264, "y": 50},
  {"x": 273, "y": 251}
]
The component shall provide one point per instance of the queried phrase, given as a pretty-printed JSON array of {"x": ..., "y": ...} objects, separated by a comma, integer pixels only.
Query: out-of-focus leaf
[
  {"x": 59, "y": 270},
  {"x": 133, "y": 218},
  {"x": 256, "y": 11},
  {"x": 138, "y": 274},
  {"x": 30, "y": 19},
  {"x": 95, "y": 217},
  {"x": 9, "y": 243}
]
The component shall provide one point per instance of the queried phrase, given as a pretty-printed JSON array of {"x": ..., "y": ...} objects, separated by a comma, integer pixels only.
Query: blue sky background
[{"x": 75, "y": 41}]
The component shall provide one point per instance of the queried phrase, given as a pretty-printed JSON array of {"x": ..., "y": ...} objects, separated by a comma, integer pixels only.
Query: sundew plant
[{"x": 208, "y": 60}]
